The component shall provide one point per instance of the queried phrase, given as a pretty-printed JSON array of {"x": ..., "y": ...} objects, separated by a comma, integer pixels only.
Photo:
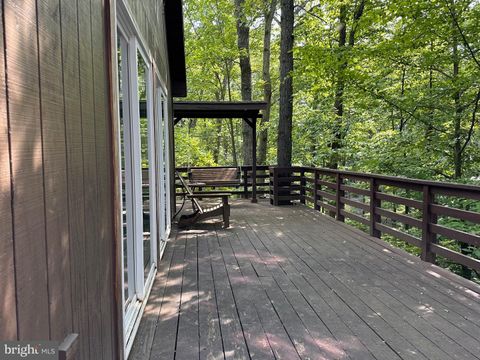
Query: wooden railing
[
  {"x": 243, "y": 188},
  {"x": 414, "y": 211}
]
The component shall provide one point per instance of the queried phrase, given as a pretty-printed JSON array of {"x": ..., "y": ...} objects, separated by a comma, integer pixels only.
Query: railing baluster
[
  {"x": 274, "y": 191},
  {"x": 427, "y": 236},
  {"x": 339, "y": 194},
  {"x": 374, "y": 203},
  {"x": 245, "y": 182},
  {"x": 303, "y": 183},
  {"x": 316, "y": 187}
]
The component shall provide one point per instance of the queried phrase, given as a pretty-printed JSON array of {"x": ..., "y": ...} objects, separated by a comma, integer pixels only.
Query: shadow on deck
[{"x": 290, "y": 283}]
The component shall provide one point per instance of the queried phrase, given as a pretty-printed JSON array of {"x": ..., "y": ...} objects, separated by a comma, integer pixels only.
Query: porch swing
[
  {"x": 221, "y": 177},
  {"x": 214, "y": 177},
  {"x": 206, "y": 177}
]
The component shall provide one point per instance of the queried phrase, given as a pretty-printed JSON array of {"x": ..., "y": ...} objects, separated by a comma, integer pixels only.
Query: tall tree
[
  {"x": 243, "y": 43},
  {"x": 284, "y": 142},
  {"x": 270, "y": 6},
  {"x": 338, "y": 126}
]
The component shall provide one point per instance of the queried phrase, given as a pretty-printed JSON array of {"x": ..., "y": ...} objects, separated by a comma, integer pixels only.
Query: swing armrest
[{"x": 211, "y": 196}]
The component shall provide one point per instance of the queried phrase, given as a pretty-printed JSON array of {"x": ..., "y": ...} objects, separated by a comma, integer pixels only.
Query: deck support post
[
  {"x": 374, "y": 203},
  {"x": 339, "y": 194},
  {"x": 428, "y": 237}
]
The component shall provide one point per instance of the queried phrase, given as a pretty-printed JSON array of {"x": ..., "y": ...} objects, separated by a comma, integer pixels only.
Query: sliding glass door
[{"x": 139, "y": 179}]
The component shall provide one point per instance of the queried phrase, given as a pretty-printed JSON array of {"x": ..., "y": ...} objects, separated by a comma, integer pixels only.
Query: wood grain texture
[
  {"x": 8, "y": 325},
  {"x": 27, "y": 169},
  {"x": 75, "y": 176},
  {"x": 55, "y": 168},
  {"x": 150, "y": 18},
  {"x": 116, "y": 177},
  {"x": 104, "y": 184},
  {"x": 291, "y": 283},
  {"x": 56, "y": 259},
  {"x": 93, "y": 271}
]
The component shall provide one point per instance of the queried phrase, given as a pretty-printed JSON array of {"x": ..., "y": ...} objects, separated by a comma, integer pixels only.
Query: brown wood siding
[
  {"x": 56, "y": 200},
  {"x": 150, "y": 19},
  {"x": 8, "y": 325},
  {"x": 90, "y": 173},
  {"x": 55, "y": 167},
  {"x": 27, "y": 169},
  {"x": 103, "y": 152},
  {"x": 75, "y": 173},
  {"x": 56, "y": 211}
]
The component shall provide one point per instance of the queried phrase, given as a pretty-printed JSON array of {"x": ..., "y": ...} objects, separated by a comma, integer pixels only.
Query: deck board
[{"x": 290, "y": 283}]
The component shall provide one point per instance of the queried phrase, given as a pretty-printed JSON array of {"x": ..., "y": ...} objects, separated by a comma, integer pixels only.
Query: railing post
[
  {"x": 316, "y": 177},
  {"x": 275, "y": 186},
  {"x": 339, "y": 194},
  {"x": 427, "y": 236},
  {"x": 245, "y": 182},
  {"x": 374, "y": 203},
  {"x": 303, "y": 184},
  {"x": 254, "y": 160}
]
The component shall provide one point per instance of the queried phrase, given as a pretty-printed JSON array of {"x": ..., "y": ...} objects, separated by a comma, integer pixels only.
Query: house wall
[
  {"x": 58, "y": 246},
  {"x": 150, "y": 19},
  {"x": 56, "y": 236}
]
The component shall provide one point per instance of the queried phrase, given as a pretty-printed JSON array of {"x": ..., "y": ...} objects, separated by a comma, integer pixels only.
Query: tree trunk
[
  {"x": 457, "y": 119},
  {"x": 218, "y": 139},
  {"x": 402, "y": 94},
  {"x": 284, "y": 142},
  {"x": 243, "y": 43},
  {"x": 457, "y": 125},
  {"x": 228, "y": 67},
  {"x": 429, "y": 130},
  {"x": 220, "y": 96},
  {"x": 457, "y": 146},
  {"x": 267, "y": 85},
  {"x": 232, "y": 138},
  {"x": 338, "y": 126},
  {"x": 340, "y": 87}
]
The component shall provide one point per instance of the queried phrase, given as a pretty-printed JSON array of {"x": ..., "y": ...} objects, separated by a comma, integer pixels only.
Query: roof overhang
[
  {"x": 218, "y": 109},
  {"x": 176, "y": 47}
]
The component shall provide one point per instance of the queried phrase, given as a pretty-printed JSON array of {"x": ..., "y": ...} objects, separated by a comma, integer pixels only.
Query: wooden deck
[{"x": 290, "y": 283}]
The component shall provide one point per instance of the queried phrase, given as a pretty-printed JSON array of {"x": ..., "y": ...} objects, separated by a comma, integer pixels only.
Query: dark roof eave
[
  {"x": 218, "y": 109},
  {"x": 176, "y": 47}
]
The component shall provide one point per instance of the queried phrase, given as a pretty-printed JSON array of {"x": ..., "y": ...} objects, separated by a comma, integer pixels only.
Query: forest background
[{"x": 388, "y": 87}]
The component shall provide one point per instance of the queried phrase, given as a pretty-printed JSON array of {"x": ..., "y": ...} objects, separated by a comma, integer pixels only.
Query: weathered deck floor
[{"x": 288, "y": 283}]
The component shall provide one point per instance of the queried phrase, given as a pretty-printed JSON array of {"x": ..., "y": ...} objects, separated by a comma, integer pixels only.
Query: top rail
[{"x": 473, "y": 189}]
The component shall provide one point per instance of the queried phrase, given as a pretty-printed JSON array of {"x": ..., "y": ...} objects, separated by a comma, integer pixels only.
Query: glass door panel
[
  {"x": 163, "y": 165},
  {"x": 147, "y": 164},
  {"x": 126, "y": 172}
]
